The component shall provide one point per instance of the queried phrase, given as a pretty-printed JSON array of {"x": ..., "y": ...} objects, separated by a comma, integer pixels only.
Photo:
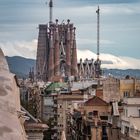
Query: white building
[{"x": 130, "y": 119}]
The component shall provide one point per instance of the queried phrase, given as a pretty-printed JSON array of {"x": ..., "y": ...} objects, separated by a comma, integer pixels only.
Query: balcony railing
[
  {"x": 103, "y": 114},
  {"x": 54, "y": 94}
]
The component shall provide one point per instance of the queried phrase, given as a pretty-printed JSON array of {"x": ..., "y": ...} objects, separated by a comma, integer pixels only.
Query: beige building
[
  {"x": 65, "y": 106},
  {"x": 64, "y": 99},
  {"x": 111, "y": 89},
  {"x": 96, "y": 115},
  {"x": 115, "y": 89},
  {"x": 34, "y": 127},
  {"x": 129, "y": 87},
  {"x": 11, "y": 116}
]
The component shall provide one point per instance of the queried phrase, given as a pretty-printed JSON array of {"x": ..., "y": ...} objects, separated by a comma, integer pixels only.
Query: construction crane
[
  {"x": 98, "y": 32},
  {"x": 51, "y": 10},
  {"x": 98, "y": 62}
]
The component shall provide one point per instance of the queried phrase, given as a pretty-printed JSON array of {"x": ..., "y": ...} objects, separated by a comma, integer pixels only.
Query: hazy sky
[{"x": 120, "y": 25}]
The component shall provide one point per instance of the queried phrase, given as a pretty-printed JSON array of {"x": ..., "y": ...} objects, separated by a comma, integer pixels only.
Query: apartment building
[
  {"x": 111, "y": 89},
  {"x": 90, "y": 123},
  {"x": 130, "y": 119},
  {"x": 129, "y": 87}
]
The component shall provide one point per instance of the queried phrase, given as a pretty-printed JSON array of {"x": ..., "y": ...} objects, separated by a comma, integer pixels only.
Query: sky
[{"x": 119, "y": 28}]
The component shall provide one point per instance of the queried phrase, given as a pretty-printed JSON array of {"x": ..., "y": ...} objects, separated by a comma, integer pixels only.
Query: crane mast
[
  {"x": 98, "y": 62},
  {"x": 98, "y": 32},
  {"x": 51, "y": 10}
]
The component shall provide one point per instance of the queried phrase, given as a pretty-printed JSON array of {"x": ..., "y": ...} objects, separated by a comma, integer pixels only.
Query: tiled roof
[{"x": 96, "y": 101}]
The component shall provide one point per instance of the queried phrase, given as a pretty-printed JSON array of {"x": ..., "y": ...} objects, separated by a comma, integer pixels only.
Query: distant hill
[
  {"x": 21, "y": 67},
  {"x": 122, "y": 73}
]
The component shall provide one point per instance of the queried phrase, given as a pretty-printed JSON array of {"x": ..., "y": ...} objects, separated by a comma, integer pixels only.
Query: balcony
[
  {"x": 126, "y": 119},
  {"x": 104, "y": 116},
  {"x": 110, "y": 120},
  {"x": 91, "y": 123},
  {"x": 54, "y": 94},
  {"x": 90, "y": 117}
]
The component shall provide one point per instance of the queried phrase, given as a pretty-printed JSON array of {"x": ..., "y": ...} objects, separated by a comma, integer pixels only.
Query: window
[
  {"x": 126, "y": 94},
  {"x": 126, "y": 132},
  {"x": 126, "y": 112},
  {"x": 139, "y": 113},
  {"x": 95, "y": 113},
  {"x": 90, "y": 113},
  {"x": 60, "y": 106}
]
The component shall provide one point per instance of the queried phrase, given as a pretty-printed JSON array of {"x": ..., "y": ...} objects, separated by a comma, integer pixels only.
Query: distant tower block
[{"x": 56, "y": 52}]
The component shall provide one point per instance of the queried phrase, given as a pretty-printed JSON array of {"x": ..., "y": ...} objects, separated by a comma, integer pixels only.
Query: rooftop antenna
[
  {"x": 98, "y": 32},
  {"x": 51, "y": 10}
]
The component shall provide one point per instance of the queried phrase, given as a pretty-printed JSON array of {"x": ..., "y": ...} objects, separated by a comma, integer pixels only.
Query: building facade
[
  {"x": 12, "y": 117},
  {"x": 96, "y": 117},
  {"x": 111, "y": 89},
  {"x": 90, "y": 122},
  {"x": 130, "y": 119},
  {"x": 56, "y": 51}
]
